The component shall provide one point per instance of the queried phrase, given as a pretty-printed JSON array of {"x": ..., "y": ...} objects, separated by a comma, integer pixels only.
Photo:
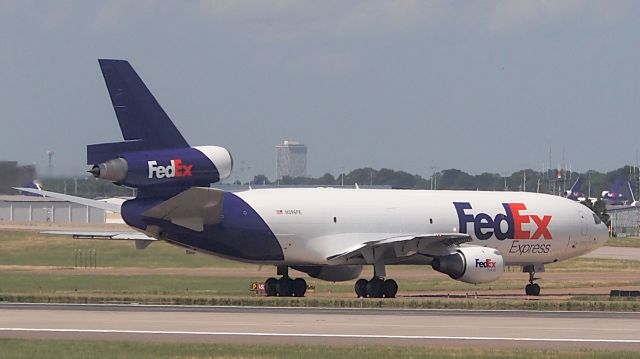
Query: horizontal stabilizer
[
  {"x": 103, "y": 152},
  {"x": 104, "y": 235},
  {"x": 141, "y": 240}
]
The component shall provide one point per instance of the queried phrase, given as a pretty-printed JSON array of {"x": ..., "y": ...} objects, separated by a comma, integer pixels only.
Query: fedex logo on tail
[
  {"x": 175, "y": 169},
  {"x": 514, "y": 216}
]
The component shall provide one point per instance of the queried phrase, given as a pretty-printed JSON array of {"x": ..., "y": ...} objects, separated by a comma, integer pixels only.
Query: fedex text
[
  {"x": 175, "y": 169},
  {"x": 488, "y": 263},
  {"x": 514, "y": 216}
]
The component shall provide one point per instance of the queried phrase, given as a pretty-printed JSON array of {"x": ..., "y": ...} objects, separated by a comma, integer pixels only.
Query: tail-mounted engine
[
  {"x": 471, "y": 265},
  {"x": 154, "y": 155},
  {"x": 195, "y": 166}
]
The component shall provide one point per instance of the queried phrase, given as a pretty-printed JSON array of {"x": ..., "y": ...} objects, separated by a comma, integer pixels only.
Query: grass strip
[
  {"x": 34, "y": 249},
  {"x": 575, "y": 304},
  {"x": 183, "y": 284},
  {"x": 629, "y": 242},
  {"x": 70, "y": 349}
]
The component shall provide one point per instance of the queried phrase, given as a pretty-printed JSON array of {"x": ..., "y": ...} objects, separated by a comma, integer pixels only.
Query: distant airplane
[
  {"x": 327, "y": 233},
  {"x": 620, "y": 194},
  {"x": 34, "y": 184},
  {"x": 575, "y": 192}
]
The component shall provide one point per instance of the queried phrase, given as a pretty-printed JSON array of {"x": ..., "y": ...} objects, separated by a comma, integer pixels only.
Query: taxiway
[{"x": 254, "y": 325}]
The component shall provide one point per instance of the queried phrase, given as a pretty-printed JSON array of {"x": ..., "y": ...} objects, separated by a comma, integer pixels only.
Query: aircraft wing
[
  {"x": 395, "y": 248},
  {"x": 141, "y": 240},
  {"x": 193, "y": 208},
  {"x": 115, "y": 235},
  {"x": 113, "y": 207}
]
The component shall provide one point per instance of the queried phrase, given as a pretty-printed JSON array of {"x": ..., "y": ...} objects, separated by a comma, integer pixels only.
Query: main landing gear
[
  {"x": 285, "y": 286},
  {"x": 377, "y": 287},
  {"x": 532, "y": 288}
]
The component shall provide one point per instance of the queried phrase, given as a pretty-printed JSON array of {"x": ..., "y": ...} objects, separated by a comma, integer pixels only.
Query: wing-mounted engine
[
  {"x": 471, "y": 265},
  {"x": 194, "y": 166},
  {"x": 331, "y": 273}
]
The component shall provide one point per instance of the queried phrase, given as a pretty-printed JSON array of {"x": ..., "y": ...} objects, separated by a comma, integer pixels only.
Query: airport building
[
  {"x": 14, "y": 175},
  {"x": 47, "y": 210},
  {"x": 291, "y": 159}
]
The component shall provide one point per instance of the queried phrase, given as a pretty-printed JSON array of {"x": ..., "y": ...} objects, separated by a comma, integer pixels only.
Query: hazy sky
[{"x": 409, "y": 85}]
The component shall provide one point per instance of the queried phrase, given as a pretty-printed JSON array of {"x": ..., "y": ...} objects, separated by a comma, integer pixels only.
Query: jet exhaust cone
[{"x": 95, "y": 171}]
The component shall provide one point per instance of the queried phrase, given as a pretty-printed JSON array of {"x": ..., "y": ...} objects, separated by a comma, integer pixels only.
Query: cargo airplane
[{"x": 327, "y": 233}]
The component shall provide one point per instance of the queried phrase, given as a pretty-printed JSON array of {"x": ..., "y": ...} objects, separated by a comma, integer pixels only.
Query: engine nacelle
[
  {"x": 471, "y": 265},
  {"x": 195, "y": 166},
  {"x": 331, "y": 273}
]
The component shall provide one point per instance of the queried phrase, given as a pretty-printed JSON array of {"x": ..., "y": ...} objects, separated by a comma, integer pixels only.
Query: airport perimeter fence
[{"x": 625, "y": 222}]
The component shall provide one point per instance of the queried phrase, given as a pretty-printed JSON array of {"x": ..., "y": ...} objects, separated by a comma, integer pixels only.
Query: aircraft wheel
[
  {"x": 375, "y": 288},
  {"x": 535, "y": 289},
  {"x": 532, "y": 289},
  {"x": 270, "y": 287},
  {"x": 390, "y": 288},
  {"x": 361, "y": 288},
  {"x": 299, "y": 287},
  {"x": 284, "y": 287}
]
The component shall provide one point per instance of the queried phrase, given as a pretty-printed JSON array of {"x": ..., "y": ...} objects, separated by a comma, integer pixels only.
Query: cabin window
[
  {"x": 430, "y": 220},
  {"x": 335, "y": 220}
]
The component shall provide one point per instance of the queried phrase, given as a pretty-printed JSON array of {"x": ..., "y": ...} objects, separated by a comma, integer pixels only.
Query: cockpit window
[{"x": 596, "y": 218}]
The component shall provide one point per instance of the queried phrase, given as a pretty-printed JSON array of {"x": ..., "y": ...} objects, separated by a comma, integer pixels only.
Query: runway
[{"x": 255, "y": 325}]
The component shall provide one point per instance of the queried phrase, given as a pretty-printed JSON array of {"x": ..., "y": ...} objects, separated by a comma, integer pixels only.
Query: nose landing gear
[{"x": 532, "y": 288}]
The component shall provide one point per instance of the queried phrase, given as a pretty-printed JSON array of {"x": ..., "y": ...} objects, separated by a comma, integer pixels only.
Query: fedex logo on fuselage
[
  {"x": 175, "y": 169},
  {"x": 485, "y": 226}
]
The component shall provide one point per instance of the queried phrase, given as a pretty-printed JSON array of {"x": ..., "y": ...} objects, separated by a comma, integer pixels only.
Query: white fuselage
[{"x": 312, "y": 224}]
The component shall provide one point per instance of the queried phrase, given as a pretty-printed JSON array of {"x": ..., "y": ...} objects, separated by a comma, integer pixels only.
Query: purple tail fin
[
  {"x": 575, "y": 191},
  {"x": 144, "y": 124},
  {"x": 617, "y": 186},
  {"x": 31, "y": 184}
]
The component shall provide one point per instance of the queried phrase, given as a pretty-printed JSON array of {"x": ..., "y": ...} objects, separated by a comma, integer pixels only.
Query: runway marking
[{"x": 319, "y": 335}]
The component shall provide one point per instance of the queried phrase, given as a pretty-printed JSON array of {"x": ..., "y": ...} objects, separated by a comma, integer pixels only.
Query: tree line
[
  {"x": 552, "y": 181},
  {"x": 448, "y": 179}
]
